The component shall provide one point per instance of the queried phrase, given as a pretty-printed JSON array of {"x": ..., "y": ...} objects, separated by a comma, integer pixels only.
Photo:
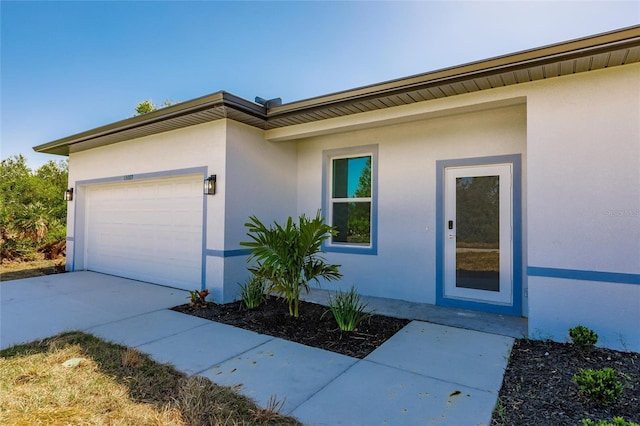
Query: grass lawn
[
  {"x": 16, "y": 270},
  {"x": 76, "y": 378}
]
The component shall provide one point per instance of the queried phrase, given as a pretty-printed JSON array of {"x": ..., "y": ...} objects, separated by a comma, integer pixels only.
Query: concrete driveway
[
  {"x": 425, "y": 374},
  {"x": 35, "y": 308}
]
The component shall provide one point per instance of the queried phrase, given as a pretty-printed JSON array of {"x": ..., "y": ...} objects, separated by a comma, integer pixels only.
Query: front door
[{"x": 478, "y": 234}]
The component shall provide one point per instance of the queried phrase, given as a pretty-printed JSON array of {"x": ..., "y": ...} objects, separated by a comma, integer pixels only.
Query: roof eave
[
  {"x": 537, "y": 56},
  {"x": 226, "y": 105},
  {"x": 218, "y": 99}
]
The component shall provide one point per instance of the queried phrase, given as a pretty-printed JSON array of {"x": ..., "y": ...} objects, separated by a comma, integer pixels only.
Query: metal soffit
[{"x": 588, "y": 54}]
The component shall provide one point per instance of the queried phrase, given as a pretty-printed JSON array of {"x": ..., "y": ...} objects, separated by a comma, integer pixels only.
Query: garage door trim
[{"x": 80, "y": 187}]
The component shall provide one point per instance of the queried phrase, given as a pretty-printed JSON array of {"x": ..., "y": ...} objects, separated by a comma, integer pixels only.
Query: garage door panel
[{"x": 147, "y": 230}]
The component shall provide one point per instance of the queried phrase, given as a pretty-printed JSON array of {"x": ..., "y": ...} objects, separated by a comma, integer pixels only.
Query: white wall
[
  {"x": 405, "y": 266},
  {"x": 260, "y": 181},
  {"x": 201, "y": 146},
  {"x": 584, "y": 203},
  {"x": 253, "y": 177},
  {"x": 584, "y": 164},
  {"x": 581, "y": 190},
  {"x": 612, "y": 310}
]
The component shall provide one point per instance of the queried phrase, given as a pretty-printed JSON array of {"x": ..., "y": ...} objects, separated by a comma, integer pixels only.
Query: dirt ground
[{"x": 15, "y": 270}]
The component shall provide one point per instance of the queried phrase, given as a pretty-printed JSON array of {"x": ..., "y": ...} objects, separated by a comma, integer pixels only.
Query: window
[{"x": 350, "y": 199}]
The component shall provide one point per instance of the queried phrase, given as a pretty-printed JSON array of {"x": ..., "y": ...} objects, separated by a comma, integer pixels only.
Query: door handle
[{"x": 452, "y": 236}]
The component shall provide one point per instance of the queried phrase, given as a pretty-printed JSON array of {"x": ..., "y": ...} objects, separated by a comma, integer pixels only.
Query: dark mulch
[
  {"x": 311, "y": 328},
  {"x": 538, "y": 388}
]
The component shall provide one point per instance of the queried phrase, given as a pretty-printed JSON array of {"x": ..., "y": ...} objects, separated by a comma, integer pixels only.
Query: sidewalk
[{"x": 425, "y": 374}]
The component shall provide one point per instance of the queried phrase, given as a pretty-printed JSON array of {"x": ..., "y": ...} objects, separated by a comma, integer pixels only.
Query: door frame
[{"x": 515, "y": 308}]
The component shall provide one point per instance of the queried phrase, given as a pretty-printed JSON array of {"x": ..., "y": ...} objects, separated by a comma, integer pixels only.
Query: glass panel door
[{"x": 478, "y": 241}]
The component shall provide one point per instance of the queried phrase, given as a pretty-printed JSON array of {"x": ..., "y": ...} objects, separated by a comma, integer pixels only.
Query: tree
[
  {"x": 32, "y": 209},
  {"x": 148, "y": 106},
  {"x": 145, "y": 107},
  {"x": 51, "y": 182},
  {"x": 288, "y": 256}
]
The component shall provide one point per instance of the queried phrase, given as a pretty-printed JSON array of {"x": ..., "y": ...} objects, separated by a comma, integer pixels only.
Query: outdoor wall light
[
  {"x": 68, "y": 194},
  {"x": 210, "y": 185}
]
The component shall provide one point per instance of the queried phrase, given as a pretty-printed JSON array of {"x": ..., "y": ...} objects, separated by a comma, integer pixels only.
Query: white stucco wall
[
  {"x": 612, "y": 310},
  {"x": 584, "y": 203},
  {"x": 261, "y": 181},
  {"x": 197, "y": 146},
  {"x": 261, "y": 178},
  {"x": 253, "y": 177},
  {"x": 584, "y": 165},
  {"x": 581, "y": 169},
  {"x": 405, "y": 266}
]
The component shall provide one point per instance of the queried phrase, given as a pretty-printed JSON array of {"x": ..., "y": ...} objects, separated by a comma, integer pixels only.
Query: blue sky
[{"x": 67, "y": 67}]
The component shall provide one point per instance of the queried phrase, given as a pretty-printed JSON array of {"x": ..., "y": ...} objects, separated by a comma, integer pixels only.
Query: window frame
[{"x": 328, "y": 200}]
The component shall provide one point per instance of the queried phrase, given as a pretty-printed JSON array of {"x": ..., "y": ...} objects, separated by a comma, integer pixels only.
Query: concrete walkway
[{"x": 425, "y": 374}]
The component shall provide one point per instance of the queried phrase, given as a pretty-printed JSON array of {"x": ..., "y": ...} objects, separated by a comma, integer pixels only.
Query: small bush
[
  {"x": 617, "y": 421},
  {"x": 197, "y": 298},
  {"x": 599, "y": 386},
  {"x": 583, "y": 337},
  {"x": 290, "y": 256},
  {"x": 253, "y": 292},
  {"x": 348, "y": 310}
]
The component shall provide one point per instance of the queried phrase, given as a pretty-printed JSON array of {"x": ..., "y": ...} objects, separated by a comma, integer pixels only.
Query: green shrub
[
  {"x": 33, "y": 211},
  {"x": 599, "y": 386},
  {"x": 617, "y": 421},
  {"x": 583, "y": 337},
  {"x": 253, "y": 292},
  {"x": 289, "y": 256},
  {"x": 197, "y": 298},
  {"x": 348, "y": 309}
]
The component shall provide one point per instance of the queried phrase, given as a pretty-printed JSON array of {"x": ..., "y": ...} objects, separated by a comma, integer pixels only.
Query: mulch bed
[
  {"x": 312, "y": 328},
  {"x": 538, "y": 388}
]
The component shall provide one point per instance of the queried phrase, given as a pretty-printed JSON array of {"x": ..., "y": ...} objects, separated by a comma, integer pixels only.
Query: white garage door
[{"x": 149, "y": 230}]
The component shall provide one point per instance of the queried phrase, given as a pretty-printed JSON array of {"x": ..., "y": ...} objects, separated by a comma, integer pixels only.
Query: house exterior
[{"x": 509, "y": 185}]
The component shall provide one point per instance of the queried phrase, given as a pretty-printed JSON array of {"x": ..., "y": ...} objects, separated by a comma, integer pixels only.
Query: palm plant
[
  {"x": 32, "y": 221},
  {"x": 348, "y": 309},
  {"x": 289, "y": 256}
]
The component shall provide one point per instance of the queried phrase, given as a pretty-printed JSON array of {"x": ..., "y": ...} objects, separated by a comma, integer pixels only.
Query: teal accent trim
[
  {"x": 152, "y": 175},
  {"x": 516, "y": 308},
  {"x": 227, "y": 253},
  {"x": 326, "y": 188},
  {"x": 581, "y": 275}
]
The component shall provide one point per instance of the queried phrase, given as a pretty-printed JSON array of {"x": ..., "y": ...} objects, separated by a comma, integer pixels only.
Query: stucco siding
[
  {"x": 584, "y": 205},
  {"x": 261, "y": 180},
  {"x": 584, "y": 171},
  {"x": 611, "y": 309},
  {"x": 404, "y": 267},
  {"x": 197, "y": 146}
]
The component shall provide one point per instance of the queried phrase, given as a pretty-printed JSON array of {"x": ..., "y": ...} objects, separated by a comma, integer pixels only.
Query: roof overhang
[
  {"x": 197, "y": 111},
  {"x": 606, "y": 50}
]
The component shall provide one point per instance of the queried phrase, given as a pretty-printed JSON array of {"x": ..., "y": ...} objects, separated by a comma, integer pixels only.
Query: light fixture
[
  {"x": 210, "y": 185},
  {"x": 68, "y": 194}
]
